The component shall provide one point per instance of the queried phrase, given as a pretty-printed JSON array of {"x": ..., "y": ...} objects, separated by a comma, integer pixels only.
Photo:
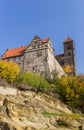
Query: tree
[
  {"x": 68, "y": 69},
  {"x": 69, "y": 90},
  {"x": 8, "y": 70}
]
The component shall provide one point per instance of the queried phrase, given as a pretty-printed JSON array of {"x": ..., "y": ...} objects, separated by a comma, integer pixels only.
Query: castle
[{"x": 38, "y": 57}]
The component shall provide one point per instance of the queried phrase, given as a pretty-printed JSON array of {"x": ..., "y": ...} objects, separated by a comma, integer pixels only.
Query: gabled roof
[
  {"x": 15, "y": 52},
  {"x": 18, "y": 51},
  {"x": 37, "y": 38},
  {"x": 68, "y": 40},
  {"x": 45, "y": 40}
]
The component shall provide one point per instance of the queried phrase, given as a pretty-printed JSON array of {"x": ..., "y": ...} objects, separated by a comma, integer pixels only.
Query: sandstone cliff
[{"x": 27, "y": 110}]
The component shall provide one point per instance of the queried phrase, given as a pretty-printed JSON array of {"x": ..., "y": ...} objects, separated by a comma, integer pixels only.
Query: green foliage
[
  {"x": 34, "y": 80},
  {"x": 8, "y": 70}
]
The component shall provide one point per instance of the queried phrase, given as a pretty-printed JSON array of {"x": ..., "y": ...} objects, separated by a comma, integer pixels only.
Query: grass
[
  {"x": 74, "y": 116},
  {"x": 62, "y": 121},
  {"x": 51, "y": 114}
]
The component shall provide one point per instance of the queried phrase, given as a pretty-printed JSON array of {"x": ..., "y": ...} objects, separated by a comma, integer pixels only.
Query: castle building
[
  {"x": 37, "y": 57},
  {"x": 68, "y": 58}
]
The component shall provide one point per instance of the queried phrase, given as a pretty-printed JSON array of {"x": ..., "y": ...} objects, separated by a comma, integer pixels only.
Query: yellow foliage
[
  {"x": 8, "y": 70},
  {"x": 69, "y": 89},
  {"x": 68, "y": 69}
]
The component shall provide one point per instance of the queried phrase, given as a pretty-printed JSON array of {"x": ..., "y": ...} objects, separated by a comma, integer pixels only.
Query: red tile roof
[
  {"x": 18, "y": 51},
  {"x": 59, "y": 56},
  {"x": 15, "y": 52},
  {"x": 68, "y": 40},
  {"x": 45, "y": 40}
]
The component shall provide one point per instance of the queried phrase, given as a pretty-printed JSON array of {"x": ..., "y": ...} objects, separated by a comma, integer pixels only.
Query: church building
[{"x": 68, "y": 58}]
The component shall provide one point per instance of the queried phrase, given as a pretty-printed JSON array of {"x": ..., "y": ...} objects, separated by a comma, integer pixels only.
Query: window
[
  {"x": 38, "y": 70},
  {"x": 7, "y": 59},
  {"x": 21, "y": 58},
  {"x": 27, "y": 55},
  {"x": 16, "y": 58},
  {"x": 39, "y": 53},
  {"x": 19, "y": 64},
  {"x": 41, "y": 61},
  {"x": 11, "y": 59},
  {"x": 28, "y": 62},
  {"x": 34, "y": 69},
  {"x": 68, "y": 53},
  {"x": 33, "y": 54},
  {"x": 62, "y": 62},
  {"x": 35, "y": 42},
  {"x": 35, "y": 62},
  {"x": 69, "y": 47}
]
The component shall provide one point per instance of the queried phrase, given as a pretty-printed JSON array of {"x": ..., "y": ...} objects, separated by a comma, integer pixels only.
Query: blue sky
[{"x": 21, "y": 20}]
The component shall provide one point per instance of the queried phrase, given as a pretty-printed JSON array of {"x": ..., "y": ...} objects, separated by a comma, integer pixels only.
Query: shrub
[
  {"x": 8, "y": 70},
  {"x": 34, "y": 80}
]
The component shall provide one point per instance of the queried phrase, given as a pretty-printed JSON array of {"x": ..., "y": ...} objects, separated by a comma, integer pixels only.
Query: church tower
[{"x": 69, "y": 54}]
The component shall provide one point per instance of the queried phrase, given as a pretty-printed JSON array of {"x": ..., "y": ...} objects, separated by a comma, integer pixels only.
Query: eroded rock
[{"x": 31, "y": 111}]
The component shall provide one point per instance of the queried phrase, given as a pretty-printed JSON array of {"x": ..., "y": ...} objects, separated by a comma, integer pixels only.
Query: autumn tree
[
  {"x": 68, "y": 69},
  {"x": 8, "y": 70},
  {"x": 71, "y": 91}
]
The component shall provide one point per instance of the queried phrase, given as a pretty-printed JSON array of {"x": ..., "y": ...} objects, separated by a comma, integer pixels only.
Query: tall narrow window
[{"x": 68, "y": 53}]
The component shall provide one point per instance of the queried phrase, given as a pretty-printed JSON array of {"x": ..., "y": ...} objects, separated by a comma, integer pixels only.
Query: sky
[{"x": 21, "y": 20}]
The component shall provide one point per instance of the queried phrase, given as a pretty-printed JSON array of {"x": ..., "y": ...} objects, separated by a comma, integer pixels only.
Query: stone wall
[
  {"x": 54, "y": 65},
  {"x": 59, "y": 69}
]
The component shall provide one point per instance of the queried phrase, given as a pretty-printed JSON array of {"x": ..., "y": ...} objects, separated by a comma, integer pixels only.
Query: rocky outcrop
[
  {"x": 8, "y": 91},
  {"x": 31, "y": 111}
]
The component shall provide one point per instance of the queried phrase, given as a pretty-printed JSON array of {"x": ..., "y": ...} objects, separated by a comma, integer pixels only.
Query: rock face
[
  {"x": 31, "y": 111},
  {"x": 8, "y": 91}
]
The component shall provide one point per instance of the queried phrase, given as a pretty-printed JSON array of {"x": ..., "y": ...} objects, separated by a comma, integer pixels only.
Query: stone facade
[{"x": 37, "y": 57}]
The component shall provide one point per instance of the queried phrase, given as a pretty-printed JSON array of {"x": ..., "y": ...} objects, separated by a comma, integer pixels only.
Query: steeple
[
  {"x": 69, "y": 54},
  {"x": 68, "y": 40}
]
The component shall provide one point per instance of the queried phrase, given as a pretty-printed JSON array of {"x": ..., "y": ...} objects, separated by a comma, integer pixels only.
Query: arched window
[{"x": 68, "y": 53}]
